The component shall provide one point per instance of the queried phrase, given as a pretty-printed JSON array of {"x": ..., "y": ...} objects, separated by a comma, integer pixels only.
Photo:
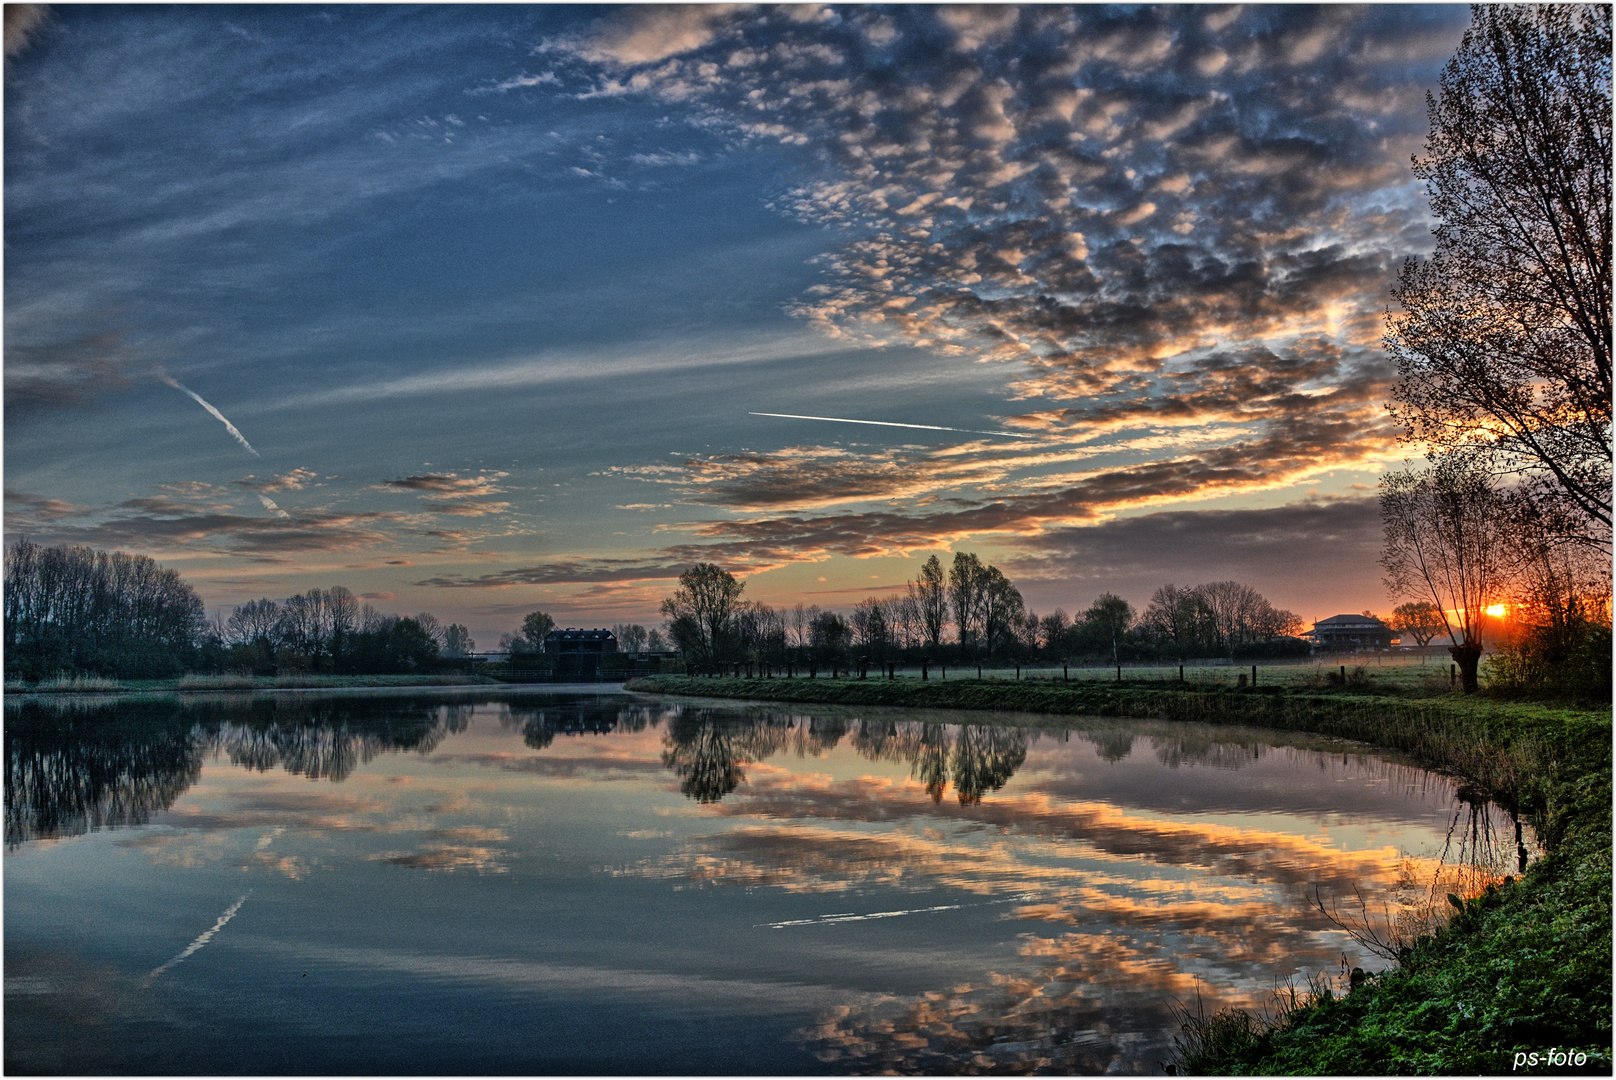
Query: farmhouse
[
  {"x": 578, "y": 652},
  {"x": 1351, "y": 632}
]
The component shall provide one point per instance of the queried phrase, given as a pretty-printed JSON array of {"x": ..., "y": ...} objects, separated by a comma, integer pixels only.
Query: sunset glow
[{"x": 512, "y": 300}]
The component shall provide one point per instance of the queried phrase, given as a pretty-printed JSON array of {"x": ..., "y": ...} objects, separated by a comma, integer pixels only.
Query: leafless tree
[
  {"x": 707, "y": 596},
  {"x": 967, "y": 579},
  {"x": 1504, "y": 337},
  {"x": 930, "y": 595},
  {"x": 1447, "y": 541},
  {"x": 1419, "y": 619}
]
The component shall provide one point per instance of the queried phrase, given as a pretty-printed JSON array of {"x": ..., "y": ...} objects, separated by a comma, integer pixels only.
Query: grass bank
[{"x": 1525, "y": 967}]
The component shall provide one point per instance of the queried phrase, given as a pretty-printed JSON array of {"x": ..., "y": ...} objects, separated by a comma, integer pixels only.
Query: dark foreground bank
[{"x": 1518, "y": 982}]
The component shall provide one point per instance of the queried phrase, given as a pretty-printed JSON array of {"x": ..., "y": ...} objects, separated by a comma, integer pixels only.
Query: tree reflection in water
[
  {"x": 704, "y": 755},
  {"x": 67, "y": 777},
  {"x": 540, "y": 724},
  {"x": 706, "y": 749},
  {"x": 73, "y": 767}
]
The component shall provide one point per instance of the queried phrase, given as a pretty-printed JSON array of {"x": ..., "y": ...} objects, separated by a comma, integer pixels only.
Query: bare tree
[
  {"x": 1504, "y": 340},
  {"x": 1446, "y": 541},
  {"x": 930, "y": 595},
  {"x": 1052, "y": 631},
  {"x": 870, "y": 629},
  {"x": 1108, "y": 620},
  {"x": 630, "y": 637},
  {"x": 967, "y": 579},
  {"x": 536, "y": 626},
  {"x": 457, "y": 642},
  {"x": 707, "y": 596},
  {"x": 903, "y": 621},
  {"x": 252, "y": 622},
  {"x": 1001, "y": 610},
  {"x": 433, "y": 629},
  {"x": 1419, "y": 619}
]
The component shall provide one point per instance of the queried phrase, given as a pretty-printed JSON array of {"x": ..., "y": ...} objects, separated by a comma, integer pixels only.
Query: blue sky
[{"x": 493, "y": 291}]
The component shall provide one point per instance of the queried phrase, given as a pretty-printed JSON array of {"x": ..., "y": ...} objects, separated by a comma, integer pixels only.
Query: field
[{"x": 1377, "y": 673}]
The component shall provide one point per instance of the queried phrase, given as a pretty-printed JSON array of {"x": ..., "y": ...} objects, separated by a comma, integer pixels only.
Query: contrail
[
  {"x": 888, "y": 423},
  {"x": 206, "y": 935},
  {"x": 217, "y": 415},
  {"x": 849, "y": 916},
  {"x": 269, "y": 504}
]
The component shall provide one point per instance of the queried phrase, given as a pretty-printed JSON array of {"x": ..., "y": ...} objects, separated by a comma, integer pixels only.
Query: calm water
[{"x": 605, "y": 883}]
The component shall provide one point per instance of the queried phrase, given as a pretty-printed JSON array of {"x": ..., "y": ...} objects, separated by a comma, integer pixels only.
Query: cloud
[
  {"x": 37, "y": 508},
  {"x": 1167, "y": 222},
  {"x": 296, "y": 480},
  {"x": 640, "y": 359},
  {"x": 1288, "y": 549},
  {"x": 165, "y": 525},
  {"x": 45, "y": 376},
  {"x": 450, "y": 493},
  {"x": 269, "y": 504},
  {"x": 22, "y": 21},
  {"x": 447, "y": 858},
  {"x": 566, "y": 572},
  {"x": 446, "y": 484},
  {"x": 646, "y": 35}
]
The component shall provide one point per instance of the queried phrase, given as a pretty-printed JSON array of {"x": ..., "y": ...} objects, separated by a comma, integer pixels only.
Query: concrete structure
[
  {"x": 577, "y": 652},
  {"x": 1345, "y": 633}
]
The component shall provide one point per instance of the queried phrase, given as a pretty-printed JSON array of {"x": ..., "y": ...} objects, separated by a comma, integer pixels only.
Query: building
[
  {"x": 577, "y": 652},
  {"x": 1349, "y": 633}
]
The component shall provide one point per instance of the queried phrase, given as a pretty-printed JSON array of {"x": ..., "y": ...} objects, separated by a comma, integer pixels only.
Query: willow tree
[
  {"x": 1504, "y": 337},
  {"x": 1447, "y": 539}
]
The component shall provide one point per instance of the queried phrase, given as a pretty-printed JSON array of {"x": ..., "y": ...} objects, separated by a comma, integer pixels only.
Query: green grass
[{"x": 1523, "y": 967}]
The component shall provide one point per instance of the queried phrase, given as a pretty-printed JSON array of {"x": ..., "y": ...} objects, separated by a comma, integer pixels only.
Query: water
[{"x": 598, "y": 883}]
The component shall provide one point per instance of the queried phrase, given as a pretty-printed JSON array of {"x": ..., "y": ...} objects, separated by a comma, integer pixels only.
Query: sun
[{"x": 1497, "y": 610}]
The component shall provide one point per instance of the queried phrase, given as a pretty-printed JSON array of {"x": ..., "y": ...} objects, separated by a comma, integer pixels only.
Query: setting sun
[{"x": 1497, "y": 610}]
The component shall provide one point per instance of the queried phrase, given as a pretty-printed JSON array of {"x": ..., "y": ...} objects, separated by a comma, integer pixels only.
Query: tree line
[
  {"x": 969, "y": 613},
  {"x": 110, "y": 613},
  {"x": 80, "y": 611},
  {"x": 329, "y": 631},
  {"x": 1502, "y": 342}
]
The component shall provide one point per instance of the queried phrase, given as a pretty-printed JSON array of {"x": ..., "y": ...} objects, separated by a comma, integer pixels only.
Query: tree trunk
[{"x": 1468, "y": 657}]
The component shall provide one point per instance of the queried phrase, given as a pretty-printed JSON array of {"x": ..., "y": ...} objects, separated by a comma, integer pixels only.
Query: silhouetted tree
[
  {"x": 930, "y": 595},
  {"x": 1446, "y": 541},
  {"x": 1504, "y": 338},
  {"x": 536, "y": 626},
  {"x": 1419, "y": 619},
  {"x": 706, "y": 597}
]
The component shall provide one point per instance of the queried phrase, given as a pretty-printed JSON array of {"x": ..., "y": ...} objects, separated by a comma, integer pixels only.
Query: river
[{"x": 585, "y": 881}]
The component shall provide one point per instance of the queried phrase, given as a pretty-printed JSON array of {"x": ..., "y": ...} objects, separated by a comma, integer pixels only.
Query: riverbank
[
  {"x": 93, "y": 684},
  {"x": 1522, "y": 968}
]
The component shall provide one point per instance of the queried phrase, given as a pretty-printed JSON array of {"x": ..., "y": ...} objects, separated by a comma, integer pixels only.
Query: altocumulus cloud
[{"x": 1176, "y": 226}]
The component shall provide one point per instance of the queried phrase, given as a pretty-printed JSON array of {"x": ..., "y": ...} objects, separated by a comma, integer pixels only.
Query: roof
[
  {"x": 1343, "y": 622},
  {"x": 574, "y": 634}
]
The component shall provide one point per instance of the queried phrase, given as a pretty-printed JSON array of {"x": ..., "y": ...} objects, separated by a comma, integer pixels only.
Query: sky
[{"x": 477, "y": 309}]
